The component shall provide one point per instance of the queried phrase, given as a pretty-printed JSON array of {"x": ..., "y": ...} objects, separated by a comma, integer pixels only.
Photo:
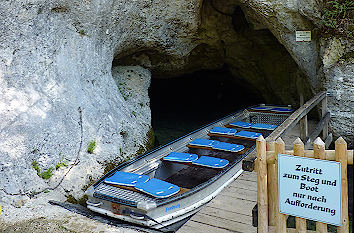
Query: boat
[{"x": 174, "y": 181}]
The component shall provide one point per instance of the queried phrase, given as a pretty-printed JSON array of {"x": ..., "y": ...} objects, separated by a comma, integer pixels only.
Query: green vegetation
[
  {"x": 82, "y": 32},
  {"x": 62, "y": 163},
  {"x": 35, "y": 165},
  {"x": 91, "y": 147},
  {"x": 338, "y": 17},
  {"x": 44, "y": 175},
  {"x": 49, "y": 172}
]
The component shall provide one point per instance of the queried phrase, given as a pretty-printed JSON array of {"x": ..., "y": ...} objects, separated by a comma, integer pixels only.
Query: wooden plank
[
  {"x": 221, "y": 223},
  {"x": 287, "y": 125},
  {"x": 341, "y": 152},
  {"x": 225, "y": 214},
  {"x": 299, "y": 151},
  {"x": 304, "y": 131},
  {"x": 249, "y": 176},
  {"x": 294, "y": 118},
  {"x": 272, "y": 205},
  {"x": 330, "y": 155},
  {"x": 280, "y": 218},
  {"x": 240, "y": 193},
  {"x": 319, "y": 152},
  {"x": 262, "y": 192},
  {"x": 319, "y": 127},
  {"x": 245, "y": 184},
  {"x": 199, "y": 227},
  {"x": 229, "y": 203},
  {"x": 324, "y": 112},
  {"x": 328, "y": 140}
]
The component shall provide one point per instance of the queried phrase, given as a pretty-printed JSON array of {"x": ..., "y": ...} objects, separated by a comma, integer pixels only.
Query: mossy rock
[{"x": 80, "y": 201}]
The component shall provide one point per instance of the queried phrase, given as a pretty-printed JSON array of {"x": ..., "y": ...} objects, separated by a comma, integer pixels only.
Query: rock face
[{"x": 59, "y": 90}]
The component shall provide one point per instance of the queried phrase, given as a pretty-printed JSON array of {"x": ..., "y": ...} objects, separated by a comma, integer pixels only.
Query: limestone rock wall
[{"x": 59, "y": 91}]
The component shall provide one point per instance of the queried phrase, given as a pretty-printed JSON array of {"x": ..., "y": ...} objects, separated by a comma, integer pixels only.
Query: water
[{"x": 181, "y": 105}]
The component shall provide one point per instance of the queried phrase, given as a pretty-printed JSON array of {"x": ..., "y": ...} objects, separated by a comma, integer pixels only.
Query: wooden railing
[
  {"x": 300, "y": 115},
  {"x": 265, "y": 198}
]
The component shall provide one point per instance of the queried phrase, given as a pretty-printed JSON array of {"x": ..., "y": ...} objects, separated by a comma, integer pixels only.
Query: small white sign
[
  {"x": 310, "y": 188},
  {"x": 302, "y": 36}
]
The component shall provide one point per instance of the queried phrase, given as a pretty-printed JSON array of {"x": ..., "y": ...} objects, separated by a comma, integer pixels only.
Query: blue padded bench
[
  {"x": 222, "y": 130},
  {"x": 154, "y": 187},
  {"x": 262, "y": 108},
  {"x": 126, "y": 179},
  {"x": 242, "y": 134},
  {"x": 281, "y": 110},
  {"x": 246, "y": 125},
  {"x": 158, "y": 188},
  {"x": 205, "y": 161},
  {"x": 180, "y": 157},
  {"x": 263, "y": 126},
  {"x": 241, "y": 124},
  {"x": 217, "y": 145},
  {"x": 247, "y": 134},
  {"x": 212, "y": 162},
  {"x": 230, "y": 147},
  {"x": 203, "y": 142}
]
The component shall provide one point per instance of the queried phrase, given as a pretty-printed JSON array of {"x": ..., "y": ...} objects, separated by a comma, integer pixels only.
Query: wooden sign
[
  {"x": 310, "y": 188},
  {"x": 302, "y": 36}
]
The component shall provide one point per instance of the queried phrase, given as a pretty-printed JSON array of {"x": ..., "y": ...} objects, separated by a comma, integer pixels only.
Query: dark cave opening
[
  {"x": 235, "y": 64},
  {"x": 182, "y": 104}
]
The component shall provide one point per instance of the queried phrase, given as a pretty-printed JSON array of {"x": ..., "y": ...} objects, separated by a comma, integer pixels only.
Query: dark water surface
[{"x": 181, "y": 105}]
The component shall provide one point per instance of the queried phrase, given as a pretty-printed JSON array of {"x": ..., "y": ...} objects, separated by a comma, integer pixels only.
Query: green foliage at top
[{"x": 338, "y": 17}]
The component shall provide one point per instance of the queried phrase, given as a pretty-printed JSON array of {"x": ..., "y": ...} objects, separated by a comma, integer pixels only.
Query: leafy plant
[
  {"x": 61, "y": 164},
  {"x": 35, "y": 165},
  {"x": 82, "y": 32},
  {"x": 338, "y": 17},
  {"x": 46, "y": 174},
  {"x": 91, "y": 147}
]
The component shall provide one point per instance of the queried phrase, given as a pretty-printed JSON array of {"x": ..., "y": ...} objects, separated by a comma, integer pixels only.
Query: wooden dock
[{"x": 231, "y": 210}]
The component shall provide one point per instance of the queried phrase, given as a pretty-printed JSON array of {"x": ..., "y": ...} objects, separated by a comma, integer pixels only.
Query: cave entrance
[
  {"x": 182, "y": 104},
  {"x": 232, "y": 61}
]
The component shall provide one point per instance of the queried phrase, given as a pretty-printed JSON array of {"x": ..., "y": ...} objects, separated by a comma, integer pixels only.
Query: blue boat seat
[
  {"x": 212, "y": 162},
  {"x": 230, "y": 147},
  {"x": 282, "y": 110},
  {"x": 158, "y": 188},
  {"x": 247, "y": 134},
  {"x": 262, "y": 108},
  {"x": 241, "y": 124},
  {"x": 180, "y": 157},
  {"x": 217, "y": 145},
  {"x": 222, "y": 130},
  {"x": 263, "y": 126},
  {"x": 126, "y": 179},
  {"x": 203, "y": 142}
]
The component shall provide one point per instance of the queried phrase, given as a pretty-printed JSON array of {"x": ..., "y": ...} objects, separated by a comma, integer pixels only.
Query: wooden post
[
  {"x": 341, "y": 156},
  {"x": 280, "y": 218},
  {"x": 262, "y": 194},
  {"x": 303, "y": 122},
  {"x": 324, "y": 112},
  {"x": 272, "y": 205},
  {"x": 299, "y": 150},
  {"x": 319, "y": 153}
]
